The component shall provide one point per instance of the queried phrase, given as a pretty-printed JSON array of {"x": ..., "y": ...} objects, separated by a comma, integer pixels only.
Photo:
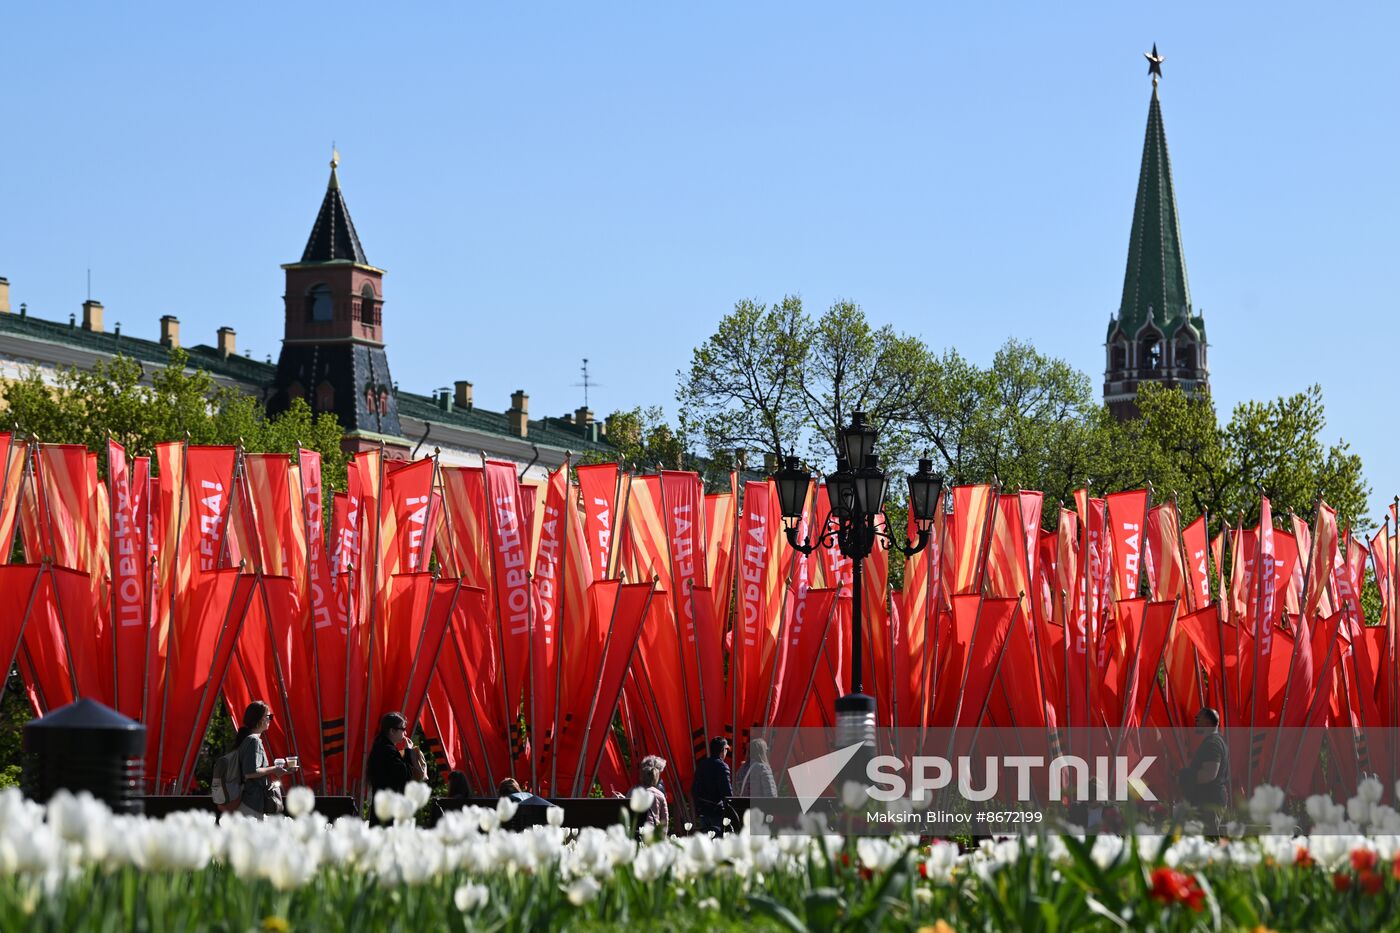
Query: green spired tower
[{"x": 1155, "y": 336}]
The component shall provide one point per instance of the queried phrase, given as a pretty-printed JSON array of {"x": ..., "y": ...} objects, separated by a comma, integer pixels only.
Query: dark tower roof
[
  {"x": 1154, "y": 284},
  {"x": 334, "y": 238}
]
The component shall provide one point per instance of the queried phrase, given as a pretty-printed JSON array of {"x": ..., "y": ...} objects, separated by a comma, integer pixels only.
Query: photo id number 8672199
[{"x": 1010, "y": 816}]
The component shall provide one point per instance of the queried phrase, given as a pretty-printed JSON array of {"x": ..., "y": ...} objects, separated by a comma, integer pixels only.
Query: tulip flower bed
[{"x": 74, "y": 866}]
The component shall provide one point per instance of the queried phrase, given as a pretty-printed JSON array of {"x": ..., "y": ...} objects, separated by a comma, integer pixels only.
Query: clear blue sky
[{"x": 548, "y": 182}]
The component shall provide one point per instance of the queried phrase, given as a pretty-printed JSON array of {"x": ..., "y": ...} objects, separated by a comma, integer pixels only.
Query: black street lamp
[{"x": 854, "y": 497}]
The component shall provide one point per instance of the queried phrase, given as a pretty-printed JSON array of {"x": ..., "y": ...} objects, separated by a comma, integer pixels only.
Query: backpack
[{"x": 226, "y": 787}]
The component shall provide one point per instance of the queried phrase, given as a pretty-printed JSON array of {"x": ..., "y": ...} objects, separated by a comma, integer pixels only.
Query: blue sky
[{"x": 550, "y": 182}]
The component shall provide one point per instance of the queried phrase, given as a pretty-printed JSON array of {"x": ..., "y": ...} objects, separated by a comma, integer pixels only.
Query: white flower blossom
[
  {"x": 301, "y": 800},
  {"x": 470, "y": 896},
  {"x": 582, "y": 890},
  {"x": 640, "y": 801},
  {"x": 1265, "y": 802}
]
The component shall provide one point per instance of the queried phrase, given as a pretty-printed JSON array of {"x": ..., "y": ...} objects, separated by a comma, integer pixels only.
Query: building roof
[
  {"x": 235, "y": 368},
  {"x": 333, "y": 237},
  {"x": 546, "y": 432},
  {"x": 1155, "y": 286}
]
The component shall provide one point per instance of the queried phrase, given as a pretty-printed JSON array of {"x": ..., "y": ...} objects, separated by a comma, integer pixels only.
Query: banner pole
[
  {"x": 208, "y": 685},
  {"x": 19, "y": 637}
]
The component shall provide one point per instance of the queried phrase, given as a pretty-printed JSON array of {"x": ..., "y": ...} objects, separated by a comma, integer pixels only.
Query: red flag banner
[
  {"x": 129, "y": 579},
  {"x": 1127, "y": 519},
  {"x": 511, "y": 581},
  {"x": 597, "y": 484},
  {"x": 13, "y": 456},
  {"x": 1193, "y": 543}
]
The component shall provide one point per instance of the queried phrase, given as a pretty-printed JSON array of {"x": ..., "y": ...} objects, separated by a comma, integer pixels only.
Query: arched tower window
[
  {"x": 295, "y": 390},
  {"x": 1150, "y": 353},
  {"x": 1185, "y": 353},
  {"x": 320, "y": 308},
  {"x": 368, "y": 316},
  {"x": 325, "y": 397},
  {"x": 1118, "y": 355}
]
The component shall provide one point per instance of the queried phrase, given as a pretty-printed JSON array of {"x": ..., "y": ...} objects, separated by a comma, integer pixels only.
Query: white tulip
[
  {"x": 505, "y": 809},
  {"x": 301, "y": 800},
  {"x": 942, "y": 860},
  {"x": 418, "y": 794},
  {"x": 853, "y": 795},
  {"x": 1359, "y": 810},
  {"x": 1370, "y": 790},
  {"x": 471, "y": 896},
  {"x": 555, "y": 816},
  {"x": 875, "y": 853},
  {"x": 1265, "y": 802},
  {"x": 1106, "y": 850},
  {"x": 641, "y": 800},
  {"x": 384, "y": 805},
  {"x": 582, "y": 890}
]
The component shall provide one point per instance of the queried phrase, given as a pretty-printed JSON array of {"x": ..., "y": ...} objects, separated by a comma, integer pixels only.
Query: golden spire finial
[
  {"x": 335, "y": 160},
  {"x": 1154, "y": 64}
]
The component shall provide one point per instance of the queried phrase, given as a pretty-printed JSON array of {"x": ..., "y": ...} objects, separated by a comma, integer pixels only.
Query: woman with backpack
[{"x": 253, "y": 764}]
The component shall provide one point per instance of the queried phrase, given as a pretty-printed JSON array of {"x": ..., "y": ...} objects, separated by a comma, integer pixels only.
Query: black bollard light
[{"x": 86, "y": 746}]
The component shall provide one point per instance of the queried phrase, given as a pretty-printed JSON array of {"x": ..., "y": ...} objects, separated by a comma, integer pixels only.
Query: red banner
[
  {"x": 1127, "y": 517},
  {"x": 598, "y": 485},
  {"x": 510, "y": 575}
]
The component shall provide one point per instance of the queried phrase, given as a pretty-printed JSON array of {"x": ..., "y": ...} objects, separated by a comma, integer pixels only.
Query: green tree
[
  {"x": 1274, "y": 448},
  {"x": 743, "y": 388},
  {"x": 850, "y": 366},
  {"x": 642, "y": 438},
  {"x": 113, "y": 400},
  {"x": 1027, "y": 421}
]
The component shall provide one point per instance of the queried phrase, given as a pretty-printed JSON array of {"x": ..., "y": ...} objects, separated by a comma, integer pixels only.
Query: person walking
[
  {"x": 258, "y": 796},
  {"x": 1206, "y": 780},
  {"x": 756, "y": 775},
  {"x": 712, "y": 787}
]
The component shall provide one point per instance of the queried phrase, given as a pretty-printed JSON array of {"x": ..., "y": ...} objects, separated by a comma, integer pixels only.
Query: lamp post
[{"x": 855, "y": 495}]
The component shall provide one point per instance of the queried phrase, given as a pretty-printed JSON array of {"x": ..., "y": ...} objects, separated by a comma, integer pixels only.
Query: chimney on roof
[
  {"x": 518, "y": 418},
  {"x": 227, "y": 345},
  {"x": 92, "y": 316},
  {"x": 443, "y": 397},
  {"x": 583, "y": 417},
  {"x": 170, "y": 331},
  {"x": 462, "y": 394},
  {"x": 4, "y": 295},
  {"x": 770, "y": 463}
]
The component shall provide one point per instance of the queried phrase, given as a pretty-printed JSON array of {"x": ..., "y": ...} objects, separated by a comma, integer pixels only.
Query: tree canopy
[
  {"x": 776, "y": 379},
  {"x": 112, "y": 401}
]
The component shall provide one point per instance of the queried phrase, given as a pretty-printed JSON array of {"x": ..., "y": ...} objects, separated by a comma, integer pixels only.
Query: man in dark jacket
[
  {"x": 712, "y": 788},
  {"x": 1206, "y": 780}
]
